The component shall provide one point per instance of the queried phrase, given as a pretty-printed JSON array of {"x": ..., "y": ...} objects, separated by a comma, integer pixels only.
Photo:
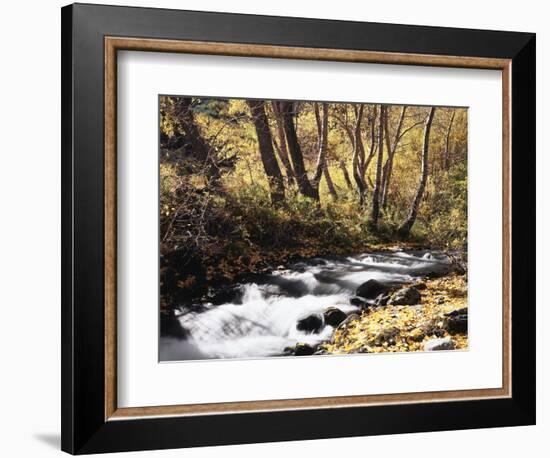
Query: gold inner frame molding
[{"x": 114, "y": 44}]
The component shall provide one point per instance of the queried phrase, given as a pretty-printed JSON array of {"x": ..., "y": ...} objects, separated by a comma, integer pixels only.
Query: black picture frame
[{"x": 84, "y": 427}]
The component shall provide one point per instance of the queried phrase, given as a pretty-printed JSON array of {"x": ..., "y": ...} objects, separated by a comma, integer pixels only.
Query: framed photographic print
[{"x": 282, "y": 228}]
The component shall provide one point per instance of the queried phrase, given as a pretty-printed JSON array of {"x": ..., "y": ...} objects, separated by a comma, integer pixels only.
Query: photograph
[{"x": 298, "y": 228}]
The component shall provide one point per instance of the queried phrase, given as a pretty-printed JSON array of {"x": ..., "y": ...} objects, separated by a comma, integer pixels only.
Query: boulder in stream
[
  {"x": 303, "y": 349},
  {"x": 334, "y": 316},
  {"x": 371, "y": 289},
  {"x": 359, "y": 302},
  {"x": 225, "y": 294},
  {"x": 405, "y": 296},
  {"x": 312, "y": 323},
  {"x": 382, "y": 300}
]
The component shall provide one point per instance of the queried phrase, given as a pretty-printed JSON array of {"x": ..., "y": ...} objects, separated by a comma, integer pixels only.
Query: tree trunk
[
  {"x": 304, "y": 185},
  {"x": 373, "y": 146},
  {"x": 375, "y": 213},
  {"x": 358, "y": 156},
  {"x": 330, "y": 184},
  {"x": 322, "y": 132},
  {"x": 322, "y": 144},
  {"x": 322, "y": 136},
  {"x": 447, "y": 141},
  {"x": 267, "y": 154},
  {"x": 388, "y": 166},
  {"x": 405, "y": 228},
  {"x": 346, "y": 175},
  {"x": 201, "y": 150},
  {"x": 282, "y": 148}
]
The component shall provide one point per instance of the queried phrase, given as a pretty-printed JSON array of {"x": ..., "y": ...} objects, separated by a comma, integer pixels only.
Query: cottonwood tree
[
  {"x": 447, "y": 141},
  {"x": 281, "y": 145},
  {"x": 304, "y": 185},
  {"x": 360, "y": 160},
  {"x": 375, "y": 210},
  {"x": 201, "y": 150},
  {"x": 358, "y": 155},
  {"x": 373, "y": 144},
  {"x": 406, "y": 226},
  {"x": 345, "y": 173},
  {"x": 391, "y": 147},
  {"x": 267, "y": 154},
  {"x": 322, "y": 147},
  {"x": 340, "y": 113}
]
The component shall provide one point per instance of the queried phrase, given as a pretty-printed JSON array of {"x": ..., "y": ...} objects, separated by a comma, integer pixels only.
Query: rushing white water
[{"x": 262, "y": 322}]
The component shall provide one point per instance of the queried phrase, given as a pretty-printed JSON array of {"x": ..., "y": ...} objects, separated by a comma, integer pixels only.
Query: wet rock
[
  {"x": 334, "y": 316},
  {"x": 303, "y": 349},
  {"x": 288, "y": 351},
  {"x": 358, "y": 301},
  {"x": 289, "y": 287},
  {"x": 456, "y": 322},
  {"x": 325, "y": 277},
  {"x": 382, "y": 300},
  {"x": 371, "y": 289},
  {"x": 431, "y": 274},
  {"x": 405, "y": 296},
  {"x": 439, "y": 344},
  {"x": 300, "y": 267},
  {"x": 420, "y": 286},
  {"x": 462, "y": 311},
  {"x": 311, "y": 323}
]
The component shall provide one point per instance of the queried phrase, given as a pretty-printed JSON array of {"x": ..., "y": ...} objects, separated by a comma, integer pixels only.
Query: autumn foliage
[{"x": 245, "y": 185}]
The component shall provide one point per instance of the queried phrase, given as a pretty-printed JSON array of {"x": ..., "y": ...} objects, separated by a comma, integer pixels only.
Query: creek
[{"x": 261, "y": 319}]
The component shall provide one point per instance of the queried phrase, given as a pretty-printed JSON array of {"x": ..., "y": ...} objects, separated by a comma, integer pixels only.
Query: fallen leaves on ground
[{"x": 404, "y": 328}]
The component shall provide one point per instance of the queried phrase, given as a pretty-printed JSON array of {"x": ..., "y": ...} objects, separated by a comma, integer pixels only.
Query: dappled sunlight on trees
[{"x": 255, "y": 182}]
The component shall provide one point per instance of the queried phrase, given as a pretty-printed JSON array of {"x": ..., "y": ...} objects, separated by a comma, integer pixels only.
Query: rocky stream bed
[{"x": 390, "y": 301}]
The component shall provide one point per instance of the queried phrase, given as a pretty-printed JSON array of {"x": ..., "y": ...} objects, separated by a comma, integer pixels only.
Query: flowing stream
[{"x": 261, "y": 320}]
